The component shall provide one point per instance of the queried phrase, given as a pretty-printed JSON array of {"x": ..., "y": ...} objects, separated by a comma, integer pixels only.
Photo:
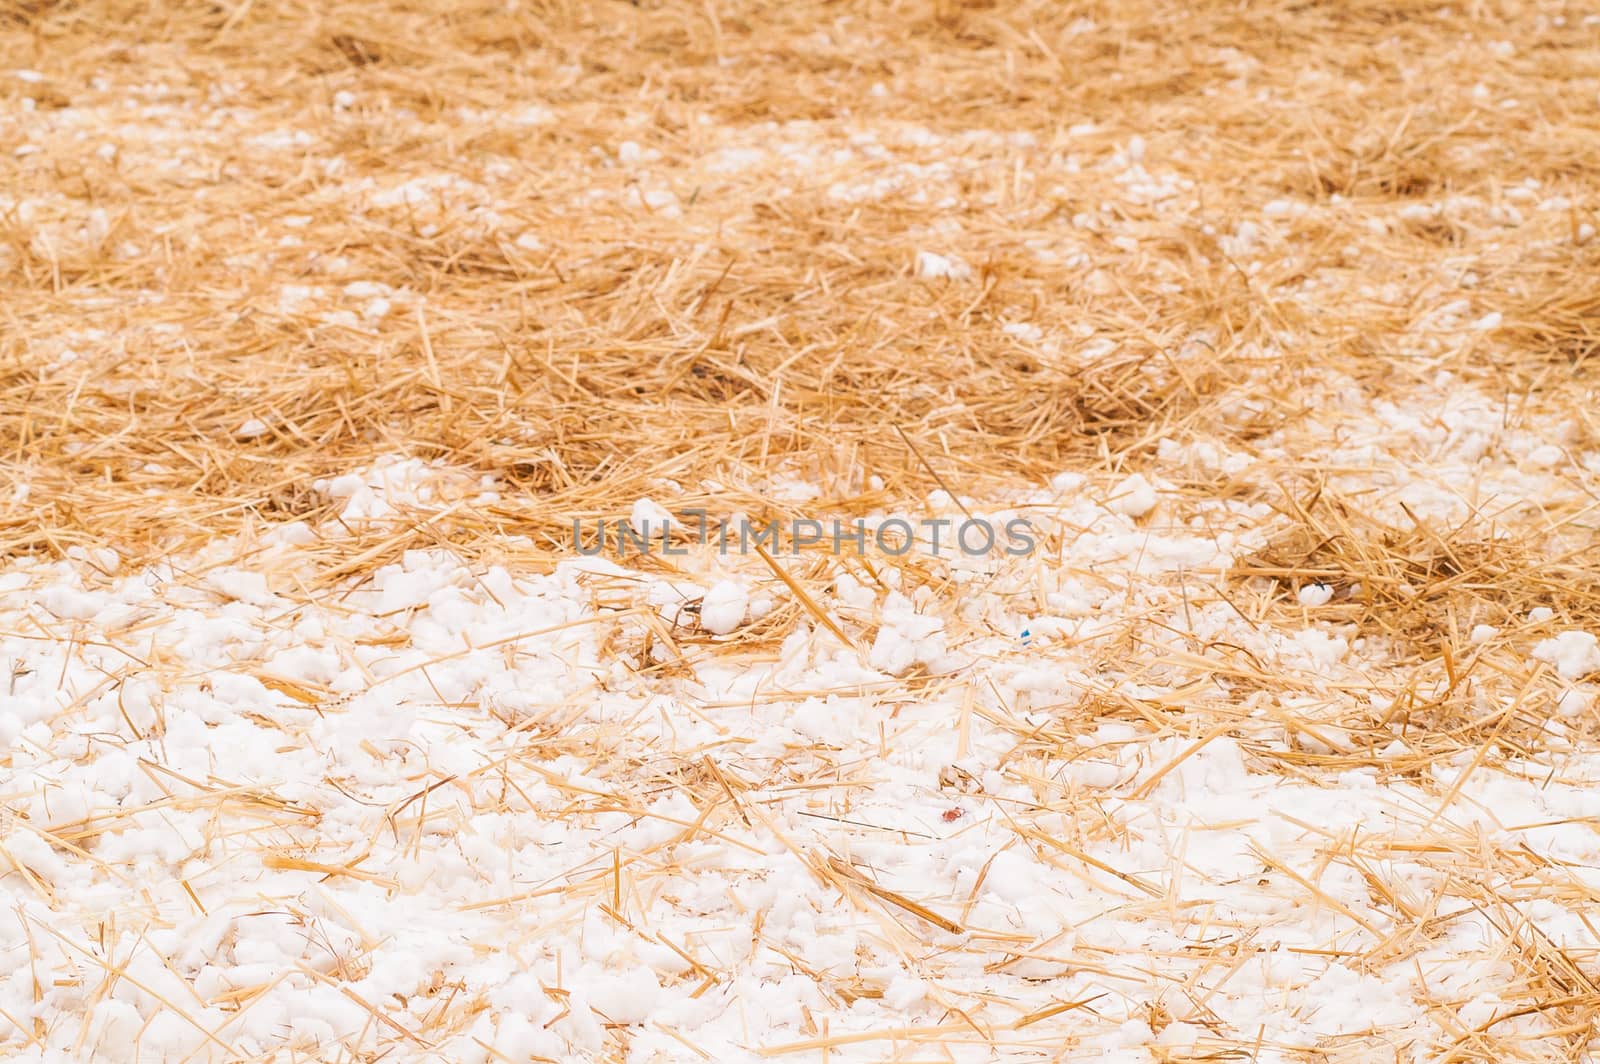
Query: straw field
[{"x": 324, "y": 327}]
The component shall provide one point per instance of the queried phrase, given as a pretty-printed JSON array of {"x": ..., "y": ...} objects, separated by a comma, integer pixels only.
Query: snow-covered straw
[{"x": 321, "y": 740}]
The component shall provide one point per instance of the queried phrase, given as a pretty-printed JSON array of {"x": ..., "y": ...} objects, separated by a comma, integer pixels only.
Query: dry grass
[
  {"x": 732, "y": 301},
  {"x": 1427, "y": 586},
  {"x": 756, "y": 318}
]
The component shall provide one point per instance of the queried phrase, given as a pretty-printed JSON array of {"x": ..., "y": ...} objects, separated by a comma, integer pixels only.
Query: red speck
[{"x": 952, "y": 814}]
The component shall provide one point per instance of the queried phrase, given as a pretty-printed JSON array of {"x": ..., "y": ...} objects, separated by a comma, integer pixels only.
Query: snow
[
  {"x": 1574, "y": 703},
  {"x": 1315, "y": 595},
  {"x": 583, "y": 810},
  {"x": 723, "y": 608},
  {"x": 430, "y": 785},
  {"x": 1546, "y": 455},
  {"x": 649, "y": 518},
  {"x": 1574, "y": 654},
  {"x": 934, "y": 265},
  {"x": 1134, "y": 497}
]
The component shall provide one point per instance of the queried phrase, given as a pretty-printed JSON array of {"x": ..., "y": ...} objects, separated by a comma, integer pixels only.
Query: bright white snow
[{"x": 529, "y": 815}]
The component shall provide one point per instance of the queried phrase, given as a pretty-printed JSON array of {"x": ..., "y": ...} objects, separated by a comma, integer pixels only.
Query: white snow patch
[
  {"x": 723, "y": 608},
  {"x": 1315, "y": 595},
  {"x": 934, "y": 265},
  {"x": 1133, "y": 497},
  {"x": 1574, "y": 654}
]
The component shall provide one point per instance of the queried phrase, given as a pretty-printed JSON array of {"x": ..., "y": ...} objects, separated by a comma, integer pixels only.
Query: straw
[{"x": 249, "y": 248}]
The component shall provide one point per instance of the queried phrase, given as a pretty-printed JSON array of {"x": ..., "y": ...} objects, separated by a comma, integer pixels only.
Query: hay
[{"x": 574, "y": 255}]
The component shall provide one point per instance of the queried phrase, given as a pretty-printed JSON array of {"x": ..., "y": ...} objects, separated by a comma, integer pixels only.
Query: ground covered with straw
[{"x": 324, "y": 327}]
